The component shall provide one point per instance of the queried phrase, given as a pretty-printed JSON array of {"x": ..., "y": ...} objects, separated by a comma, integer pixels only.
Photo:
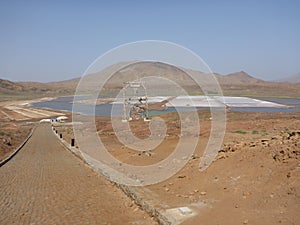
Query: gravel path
[{"x": 46, "y": 184}]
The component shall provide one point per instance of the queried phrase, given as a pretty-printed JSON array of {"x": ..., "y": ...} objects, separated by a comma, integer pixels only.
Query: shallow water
[{"x": 65, "y": 103}]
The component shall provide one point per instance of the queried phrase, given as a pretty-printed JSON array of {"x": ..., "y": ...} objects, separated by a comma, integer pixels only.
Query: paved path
[{"x": 46, "y": 184}]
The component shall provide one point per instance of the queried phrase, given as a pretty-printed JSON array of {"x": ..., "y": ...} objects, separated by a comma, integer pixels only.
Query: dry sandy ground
[{"x": 255, "y": 178}]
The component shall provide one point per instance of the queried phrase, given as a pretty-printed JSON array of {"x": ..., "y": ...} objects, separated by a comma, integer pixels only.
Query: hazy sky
[{"x": 57, "y": 40}]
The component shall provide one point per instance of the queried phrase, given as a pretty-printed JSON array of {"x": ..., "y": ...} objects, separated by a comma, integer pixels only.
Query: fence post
[{"x": 72, "y": 142}]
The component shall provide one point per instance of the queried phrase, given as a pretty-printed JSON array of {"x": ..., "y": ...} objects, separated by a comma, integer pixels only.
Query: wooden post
[{"x": 72, "y": 142}]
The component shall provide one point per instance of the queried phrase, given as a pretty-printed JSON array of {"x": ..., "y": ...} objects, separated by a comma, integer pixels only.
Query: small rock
[
  {"x": 7, "y": 141},
  {"x": 246, "y": 193},
  {"x": 245, "y": 221},
  {"x": 181, "y": 176},
  {"x": 195, "y": 157},
  {"x": 128, "y": 204},
  {"x": 203, "y": 193},
  {"x": 264, "y": 140},
  {"x": 266, "y": 144},
  {"x": 185, "y": 210},
  {"x": 147, "y": 153},
  {"x": 221, "y": 156},
  {"x": 275, "y": 137}
]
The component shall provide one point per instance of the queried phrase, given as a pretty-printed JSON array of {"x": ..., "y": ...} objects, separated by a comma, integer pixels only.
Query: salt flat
[
  {"x": 219, "y": 101},
  {"x": 211, "y": 101}
]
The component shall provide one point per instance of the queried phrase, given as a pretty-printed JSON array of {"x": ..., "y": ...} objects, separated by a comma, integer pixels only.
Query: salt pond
[{"x": 182, "y": 103}]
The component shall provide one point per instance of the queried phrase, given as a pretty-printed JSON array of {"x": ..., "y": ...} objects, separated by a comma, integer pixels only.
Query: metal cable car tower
[{"x": 135, "y": 105}]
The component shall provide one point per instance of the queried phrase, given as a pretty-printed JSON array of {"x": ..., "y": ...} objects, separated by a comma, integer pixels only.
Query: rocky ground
[{"x": 255, "y": 179}]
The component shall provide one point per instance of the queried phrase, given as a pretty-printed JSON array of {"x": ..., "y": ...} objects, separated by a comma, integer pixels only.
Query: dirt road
[{"x": 45, "y": 184}]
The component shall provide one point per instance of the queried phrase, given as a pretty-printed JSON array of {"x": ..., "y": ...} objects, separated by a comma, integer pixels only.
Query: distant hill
[
  {"x": 144, "y": 69},
  {"x": 234, "y": 84},
  {"x": 238, "y": 78},
  {"x": 291, "y": 79},
  {"x": 9, "y": 86},
  {"x": 29, "y": 90}
]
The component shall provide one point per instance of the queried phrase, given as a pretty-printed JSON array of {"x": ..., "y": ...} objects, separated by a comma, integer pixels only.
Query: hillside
[
  {"x": 7, "y": 86},
  {"x": 238, "y": 78},
  {"x": 290, "y": 79},
  {"x": 234, "y": 84},
  {"x": 29, "y": 90}
]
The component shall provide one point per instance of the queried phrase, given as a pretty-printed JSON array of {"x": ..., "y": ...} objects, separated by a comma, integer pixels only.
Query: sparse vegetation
[
  {"x": 288, "y": 132},
  {"x": 240, "y": 132},
  {"x": 69, "y": 130}
]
